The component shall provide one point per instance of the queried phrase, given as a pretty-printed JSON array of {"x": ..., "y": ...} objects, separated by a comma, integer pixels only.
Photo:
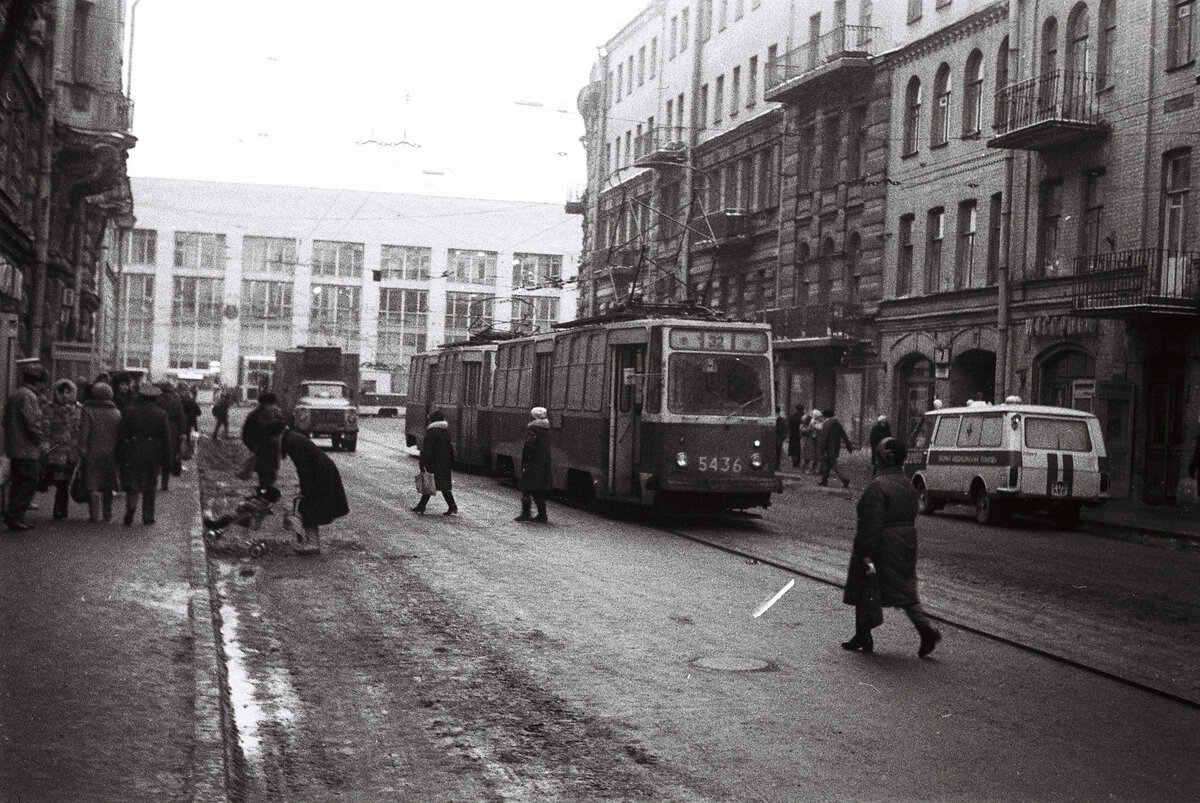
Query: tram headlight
[
  {"x": 756, "y": 460},
  {"x": 681, "y": 460}
]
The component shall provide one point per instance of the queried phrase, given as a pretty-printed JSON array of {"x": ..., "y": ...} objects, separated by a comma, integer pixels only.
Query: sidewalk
[
  {"x": 1115, "y": 517},
  {"x": 108, "y": 667}
]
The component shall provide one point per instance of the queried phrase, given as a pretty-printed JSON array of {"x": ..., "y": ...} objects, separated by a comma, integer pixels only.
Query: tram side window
[
  {"x": 526, "y": 399},
  {"x": 558, "y": 395},
  {"x": 594, "y": 398},
  {"x": 500, "y": 378},
  {"x": 415, "y": 371},
  {"x": 454, "y": 392},
  {"x": 485, "y": 396},
  {"x": 577, "y": 372},
  {"x": 472, "y": 373},
  {"x": 947, "y": 431}
]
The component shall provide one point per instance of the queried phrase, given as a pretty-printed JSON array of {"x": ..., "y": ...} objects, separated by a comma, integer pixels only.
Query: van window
[
  {"x": 982, "y": 430},
  {"x": 947, "y": 431},
  {"x": 1057, "y": 434},
  {"x": 920, "y": 436}
]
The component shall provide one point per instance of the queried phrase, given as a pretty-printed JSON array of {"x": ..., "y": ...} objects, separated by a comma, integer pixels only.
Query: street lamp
[{"x": 125, "y": 222}]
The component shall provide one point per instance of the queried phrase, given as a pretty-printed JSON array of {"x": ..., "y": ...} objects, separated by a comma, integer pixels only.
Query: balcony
[
  {"x": 661, "y": 144},
  {"x": 722, "y": 230},
  {"x": 1145, "y": 283},
  {"x": 844, "y": 52},
  {"x": 836, "y": 320},
  {"x": 1052, "y": 110}
]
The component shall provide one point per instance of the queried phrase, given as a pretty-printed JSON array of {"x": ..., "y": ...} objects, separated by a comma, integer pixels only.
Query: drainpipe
[{"x": 37, "y": 315}]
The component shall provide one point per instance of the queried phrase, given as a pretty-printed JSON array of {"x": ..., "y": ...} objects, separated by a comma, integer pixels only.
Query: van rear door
[{"x": 1061, "y": 459}]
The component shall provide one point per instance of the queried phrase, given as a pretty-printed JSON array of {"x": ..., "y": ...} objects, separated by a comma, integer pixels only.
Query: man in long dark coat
[
  {"x": 829, "y": 448},
  {"x": 172, "y": 405},
  {"x": 881, "y": 429},
  {"x": 535, "y": 481},
  {"x": 885, "y": 544},
  {"x": 322, "y": 496},
  {"x": 794, "y": 446},
  {"x": 25, "y": 437},
  {"x": 260, "y": 433},
  {"x": 143, "y": 448},
  {"x": 437, "y": 457}
]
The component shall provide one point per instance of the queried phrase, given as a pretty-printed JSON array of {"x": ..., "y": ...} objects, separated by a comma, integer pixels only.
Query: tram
[{"x": 666, "y": 410}]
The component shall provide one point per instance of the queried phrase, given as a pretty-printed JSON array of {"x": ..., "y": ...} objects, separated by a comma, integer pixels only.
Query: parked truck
[{"x": 317, "y": 388}]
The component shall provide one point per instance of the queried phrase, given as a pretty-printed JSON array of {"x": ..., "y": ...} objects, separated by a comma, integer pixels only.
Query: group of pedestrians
[
  {"x": 534, "y": 481},
  {"x": 815, "y": 442},
  {"x": 90, "y": 441}
]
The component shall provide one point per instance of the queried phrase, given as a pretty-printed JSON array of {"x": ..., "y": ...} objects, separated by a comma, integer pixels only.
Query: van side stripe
[
  {"x": 989, "y": 457},
  {"x": 1051, "y": 472},
  {"x": 1069, "y": 473}
]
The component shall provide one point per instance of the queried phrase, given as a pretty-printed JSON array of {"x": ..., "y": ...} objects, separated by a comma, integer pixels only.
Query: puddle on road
[{"x": 253, "y": 702}]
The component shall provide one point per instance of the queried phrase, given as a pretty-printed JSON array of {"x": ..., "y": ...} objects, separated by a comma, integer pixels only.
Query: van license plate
[{"x": 1058, "y": 489}]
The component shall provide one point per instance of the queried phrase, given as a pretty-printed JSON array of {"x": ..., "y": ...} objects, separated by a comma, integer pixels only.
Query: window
[
  {"x": 904, "y": 259},
  {"x": 856, "y": 142},
  {"x": 864, "y": 21},
  {"x": 197, "y": 300},
  {"x": 197, "y": 251},
  {"x": 752, "y": 82},
  {"x": 746, "y": 183},
  {"x": 475, "y": 267},
  {"x": 629, "y": 76},
  {"x": 947, "y": 431},
  {"x": 333, "y": 317},
  {"x": 972, "y": 119},
  {"x": 533, "y": 313},
  {"x": 718, "y": 99},
  {"x": 702, "y": 108},
  {"x": 269, "y": 255},
  {"x": 537, "y": 270},
  {"x": 814, "y": 41},
  {"x": 1049, "y": 61},
  {"x": 723, "y": 17},
  {"x": 673, "y": 42},
  {"x": 679, "y": 127},
  {"x": 337, "y": 259},
  {"x": 465, "y": 311},
  {"x": 641, "y": 65},
  {"x": 983, "y": 430},
  {"x": 939, "y": 132},
  {"x": 653, "y": 56},
  {"x": 141, "y": 247},
  {"x": 995, "y": 233},
  {"x": 1093, "y": 212},
  {"x": 766, "y": 178},
  {"x": 964, "y": 256},
  {"x": 684, "y": 32},
  {"x": 620, "y": 81},
  {"x": 704, "y": 13},
  {"x": 1057, "y": 434},
  {"x": 735, "y": 91},
  {"x": 912, "y": 115},
  {"x": 1180, "y": 32},
  {"x": 914, "y": 11},
  {"x": 80, "y": 58},
  {"x": 409, "y": 262},
  {"x": 850, "y": 268},
  {"x": 830, "y": 140},
  {"x": 804, "y": 160},
  {"x": 1079, "y": 56},
  {"x": 1048, "y": 222},
  {"x": 266, "y": 301},
  {"x": 1177, "y": 184},
  {"x": 608, "y": 90},
  {"x": 1107, "y": 44},
  {"x": 739, "y": 9},
  {"x": 628, "y": 147},
  {"x": 935, "y": 231},
  {"x": 403, "y": 308},
  {"x": 137, "y": 319},
  {"x": 1000, "y": 113}
]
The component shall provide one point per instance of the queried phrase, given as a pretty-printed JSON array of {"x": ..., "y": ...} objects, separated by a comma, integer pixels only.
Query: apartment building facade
[
  {"x": 970, "y": 200},
  {"x": 217, "y": 276}
]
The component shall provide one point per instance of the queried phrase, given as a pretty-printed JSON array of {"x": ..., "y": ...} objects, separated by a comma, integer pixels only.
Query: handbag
[
  {"x": 871, "y": 601},
  {"x": 426, "y": 484},
  {"x": 79, "y": 489}
]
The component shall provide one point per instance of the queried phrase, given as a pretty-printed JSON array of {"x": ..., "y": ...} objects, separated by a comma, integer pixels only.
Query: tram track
[{"x": 951, "y": 621}]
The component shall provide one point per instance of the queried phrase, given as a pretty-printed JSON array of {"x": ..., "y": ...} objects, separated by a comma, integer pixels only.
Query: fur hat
[
  {"x": 538, "y": 413},
  {"x": 102, "y": 391}
]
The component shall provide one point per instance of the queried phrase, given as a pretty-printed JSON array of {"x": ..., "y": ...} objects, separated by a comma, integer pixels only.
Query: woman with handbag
[
  {"x": 63, "y": 415},
  {"x": 884, "y": 556},
  {"x": 98, "y": 445},
  {"x": 437, "y": 458}
]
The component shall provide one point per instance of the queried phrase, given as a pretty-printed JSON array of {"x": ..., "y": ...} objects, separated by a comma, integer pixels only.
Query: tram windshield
[{"x": 719, "y": 384}]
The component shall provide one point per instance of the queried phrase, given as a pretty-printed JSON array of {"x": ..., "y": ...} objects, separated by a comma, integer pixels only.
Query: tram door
[
  {"x": 629, "y": 368},
  {"x": 467, "y": 431}
]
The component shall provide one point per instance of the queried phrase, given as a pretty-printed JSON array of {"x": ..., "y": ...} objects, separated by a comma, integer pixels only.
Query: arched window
[
  {"x": 800, "y": 289},
  {"x": 1108, "y": 41},
  {"x": 972, "y": 119},
  {"x": 1079, "y": 57},
  {"x": 1000, "y": 119},
  {"x": 1060, "y": 374},
  {"x": 939, "y": 132},
  {"x": 851, "y": 276},
  {"x": 1049, "y": 62},
  {"x": 825, "y": 270},
  {"x": 912, "y": 114}
]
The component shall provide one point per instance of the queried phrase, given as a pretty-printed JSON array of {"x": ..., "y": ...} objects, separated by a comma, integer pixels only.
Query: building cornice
[{"x": 944, "y": 37}]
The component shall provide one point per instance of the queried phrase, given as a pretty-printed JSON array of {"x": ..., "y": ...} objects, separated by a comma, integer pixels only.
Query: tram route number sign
[
  {"x": 724, "y": 465},
  {"x": 707, "y": 340}
]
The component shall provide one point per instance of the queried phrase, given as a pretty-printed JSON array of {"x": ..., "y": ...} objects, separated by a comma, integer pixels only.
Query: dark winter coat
[
  {"x": 437, "y": 453},
  {"x": 795, "y": 420},
  {"x": 323, "y": 498},
  {"x": 887, "y": 534},
  {"x": 264, "y": 447},
  {"x": 535, "y": 458},
  {"x": 24, "y": 424},
  {"x": 143, "y": 444},
  {"x": 98, "y": 443},
  {"x": 881, "y": 430},
  {"x": 172, "y": 405},
  {"x": 831, "y": 438}
]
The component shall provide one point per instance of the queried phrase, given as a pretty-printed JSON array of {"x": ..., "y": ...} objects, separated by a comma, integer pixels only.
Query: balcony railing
[
  {"x": 1051, "y": 110},
  {"x": 1139, "y": 283},
  {"x": 722, "y": 229},
  {"x": 660, "y": 144},
  {"x": 846, "y": 48},
  {"x": 815, "y": 321}
]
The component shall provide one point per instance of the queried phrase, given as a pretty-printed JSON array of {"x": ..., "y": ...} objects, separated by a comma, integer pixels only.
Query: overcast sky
[{"x": 324, "y": 94}]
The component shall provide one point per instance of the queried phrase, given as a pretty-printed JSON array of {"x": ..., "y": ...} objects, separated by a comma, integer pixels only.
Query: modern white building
[{"x": 216, "y": 276}]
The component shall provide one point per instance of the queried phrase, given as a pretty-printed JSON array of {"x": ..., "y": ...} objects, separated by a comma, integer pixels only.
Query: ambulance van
[{"x": 1009, "y": 458}]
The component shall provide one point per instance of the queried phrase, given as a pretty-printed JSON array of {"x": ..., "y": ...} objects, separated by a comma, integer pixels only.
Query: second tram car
[{"x": 665, "y": 412}]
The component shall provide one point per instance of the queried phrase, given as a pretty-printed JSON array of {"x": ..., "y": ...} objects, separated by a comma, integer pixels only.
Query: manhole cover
[{"x": 732, "y": 663}]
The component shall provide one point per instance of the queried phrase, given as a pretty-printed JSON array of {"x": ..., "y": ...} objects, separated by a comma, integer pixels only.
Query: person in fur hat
[
  {"x": 437, "y": 457},
  {"x": 535, "y": 482}
]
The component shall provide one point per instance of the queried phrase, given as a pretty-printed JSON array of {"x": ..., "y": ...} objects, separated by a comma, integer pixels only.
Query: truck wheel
[
  {"x": 350, "y": 443},
  {"x": 335, "y": 442},
  {"x": 988, "y": 510},
  {"x": 924, "y": 503}
]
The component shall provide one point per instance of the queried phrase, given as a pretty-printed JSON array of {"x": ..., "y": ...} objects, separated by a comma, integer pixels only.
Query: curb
[{"x": 211, "y": 758}]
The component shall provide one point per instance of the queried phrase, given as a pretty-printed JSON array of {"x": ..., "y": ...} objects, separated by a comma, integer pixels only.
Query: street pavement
[{"x": 109, "y": 676}]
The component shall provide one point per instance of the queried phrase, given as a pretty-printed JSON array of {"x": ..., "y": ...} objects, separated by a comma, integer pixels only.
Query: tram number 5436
[{"x": 725, "y": 465}]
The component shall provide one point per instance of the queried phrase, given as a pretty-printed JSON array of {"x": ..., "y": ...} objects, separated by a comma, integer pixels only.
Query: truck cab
[{"x": 316, "y": 389}]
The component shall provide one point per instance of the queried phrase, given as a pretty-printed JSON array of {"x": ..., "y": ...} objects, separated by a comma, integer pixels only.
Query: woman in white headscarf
[{"x": 535, "y": 481}]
